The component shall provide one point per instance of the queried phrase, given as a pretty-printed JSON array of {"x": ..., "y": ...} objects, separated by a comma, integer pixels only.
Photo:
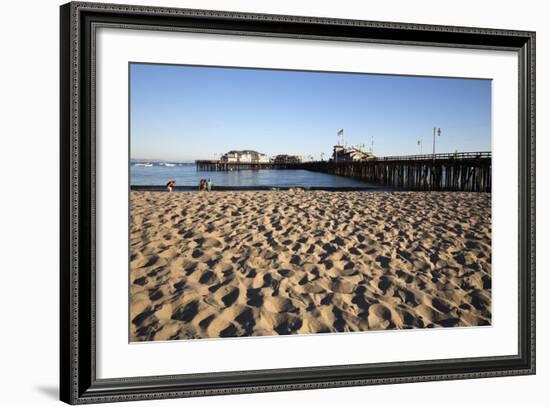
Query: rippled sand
[{"x": 222, "y": 264}]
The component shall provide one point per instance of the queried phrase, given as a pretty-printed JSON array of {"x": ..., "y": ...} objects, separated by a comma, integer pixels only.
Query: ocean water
[{"x": 186, "y": 175}]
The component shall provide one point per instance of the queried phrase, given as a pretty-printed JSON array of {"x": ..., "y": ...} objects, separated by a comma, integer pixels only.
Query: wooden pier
[
  {"x": 439, "y": 172},
  {"x": 430, "y": 172}
]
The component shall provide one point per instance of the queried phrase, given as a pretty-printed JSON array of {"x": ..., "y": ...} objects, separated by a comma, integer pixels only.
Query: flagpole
[
  {"x": 372, "y": 145},
  {"x": 339, "y": 133}
]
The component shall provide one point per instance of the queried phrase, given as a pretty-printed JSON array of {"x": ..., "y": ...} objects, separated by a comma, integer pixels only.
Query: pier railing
[
  {"x": 465, "y": 171},
  {"x": 439, "y": 156}
]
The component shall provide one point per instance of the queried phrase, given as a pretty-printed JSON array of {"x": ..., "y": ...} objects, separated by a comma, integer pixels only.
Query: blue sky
[{"x": 187, "y": 113}]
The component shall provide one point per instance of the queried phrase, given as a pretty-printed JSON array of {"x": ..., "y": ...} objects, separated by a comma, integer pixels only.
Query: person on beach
[
  {"x": 171, "y": 185},
  {"x": 202, "y": 185},
  {"x": 209, "y": 185}
]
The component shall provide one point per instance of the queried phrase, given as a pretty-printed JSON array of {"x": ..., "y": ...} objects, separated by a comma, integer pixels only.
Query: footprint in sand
[
  {"x": 209, "y": 278},
  {"x": 230, "y": 298},
  {"x": 187, "y": 312},
  {"x": 380, "y": 317}
]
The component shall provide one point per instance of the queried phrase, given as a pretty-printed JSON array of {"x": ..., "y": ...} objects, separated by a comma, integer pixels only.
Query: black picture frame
[{"x": 78, "y": 382}]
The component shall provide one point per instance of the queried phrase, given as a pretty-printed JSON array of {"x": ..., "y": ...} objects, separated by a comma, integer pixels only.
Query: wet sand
[{"x": 226, "y": 264}]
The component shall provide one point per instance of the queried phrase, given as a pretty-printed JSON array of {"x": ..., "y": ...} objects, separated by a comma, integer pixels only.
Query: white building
[{"x": 245, "y": 157}]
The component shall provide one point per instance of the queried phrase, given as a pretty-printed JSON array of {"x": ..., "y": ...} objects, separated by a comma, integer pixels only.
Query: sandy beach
[{"x": 226, "y": 264}]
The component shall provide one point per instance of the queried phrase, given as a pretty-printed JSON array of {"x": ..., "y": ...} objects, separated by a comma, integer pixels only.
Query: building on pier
[
  {"x": 341, "y": 153},
  {"x": 244, "y": 157}
]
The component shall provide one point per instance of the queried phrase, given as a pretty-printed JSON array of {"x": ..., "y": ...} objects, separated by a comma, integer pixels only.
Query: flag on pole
[{"x": 340, "y": 132}]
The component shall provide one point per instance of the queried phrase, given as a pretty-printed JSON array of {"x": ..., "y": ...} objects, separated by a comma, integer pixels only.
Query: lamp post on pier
[{"x": 438, "y": 131}]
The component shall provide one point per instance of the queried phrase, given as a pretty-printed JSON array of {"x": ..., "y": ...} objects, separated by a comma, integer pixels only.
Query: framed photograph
[{"x": 255, "y": 203}]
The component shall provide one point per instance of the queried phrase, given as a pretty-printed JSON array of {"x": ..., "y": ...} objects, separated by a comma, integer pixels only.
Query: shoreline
[{"x": 267, "y": 188}]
